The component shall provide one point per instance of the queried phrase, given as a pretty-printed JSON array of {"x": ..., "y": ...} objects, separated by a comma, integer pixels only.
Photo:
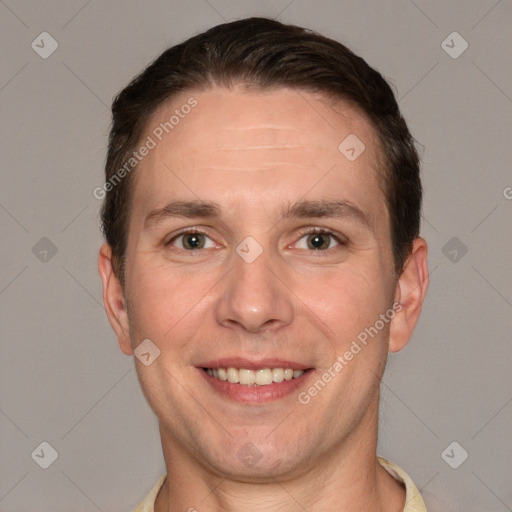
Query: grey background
[{"x": 63, "y": 379}]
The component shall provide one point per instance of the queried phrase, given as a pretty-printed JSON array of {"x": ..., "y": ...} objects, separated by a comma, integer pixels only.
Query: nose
[{"x": 254, "y": 298}]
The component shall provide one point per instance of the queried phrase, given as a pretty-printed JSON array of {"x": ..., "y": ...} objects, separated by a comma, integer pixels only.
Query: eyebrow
[
  {"x": 301, "y": 209},
  {"x": 187, "y": 209},
  {"x": 338, "y": 209}
]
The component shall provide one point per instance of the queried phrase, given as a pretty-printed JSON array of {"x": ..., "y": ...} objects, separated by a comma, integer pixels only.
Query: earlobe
[
  {"x": 113, "y": 299},
  {"x": 410, "y": 293}
]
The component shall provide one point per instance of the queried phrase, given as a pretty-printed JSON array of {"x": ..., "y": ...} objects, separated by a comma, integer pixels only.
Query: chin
[{"x": 258, "y": 462}]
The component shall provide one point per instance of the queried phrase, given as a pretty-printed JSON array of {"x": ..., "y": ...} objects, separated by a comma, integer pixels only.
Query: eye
[
  {"x": 191, "y": 240},
  {"x": 319, "y": 240}
]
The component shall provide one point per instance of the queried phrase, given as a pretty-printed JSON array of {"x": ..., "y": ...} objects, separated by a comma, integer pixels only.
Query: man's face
[{"x": 284, "y": 298}]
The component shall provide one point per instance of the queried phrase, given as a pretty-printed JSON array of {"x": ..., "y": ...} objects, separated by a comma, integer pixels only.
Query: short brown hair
[{"x": 264, "y": 53}]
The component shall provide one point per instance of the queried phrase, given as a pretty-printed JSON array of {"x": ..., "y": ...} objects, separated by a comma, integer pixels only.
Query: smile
[
  {"x": 259, "y": 377},
  {"x": 255, "y": 382}
]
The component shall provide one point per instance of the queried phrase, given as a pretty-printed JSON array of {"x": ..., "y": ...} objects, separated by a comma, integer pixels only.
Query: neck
[{"x": 348, "y": 478}]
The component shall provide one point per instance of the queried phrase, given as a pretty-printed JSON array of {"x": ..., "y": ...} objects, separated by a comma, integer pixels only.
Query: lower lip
[{"x": 256, "y": 394}]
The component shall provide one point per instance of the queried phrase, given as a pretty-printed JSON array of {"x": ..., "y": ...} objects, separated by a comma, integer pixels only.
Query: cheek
[
  {"x": 348, "y": 299},
  {"x": 162, "y": 303}
]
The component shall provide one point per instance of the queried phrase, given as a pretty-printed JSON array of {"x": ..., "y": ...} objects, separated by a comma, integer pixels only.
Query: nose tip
[
  {"x": 255, "y": 319},
  {"x": 253, "y": 298}
]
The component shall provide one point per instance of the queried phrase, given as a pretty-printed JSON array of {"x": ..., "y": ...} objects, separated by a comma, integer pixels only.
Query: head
[{"x": 244, "y": 128}]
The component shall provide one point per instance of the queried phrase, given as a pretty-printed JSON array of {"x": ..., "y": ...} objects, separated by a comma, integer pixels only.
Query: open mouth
[{"x": 254, "y": 378}]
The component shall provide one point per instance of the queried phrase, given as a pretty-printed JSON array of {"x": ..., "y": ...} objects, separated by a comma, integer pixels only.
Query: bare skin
[{"x": 255, "y": 154}]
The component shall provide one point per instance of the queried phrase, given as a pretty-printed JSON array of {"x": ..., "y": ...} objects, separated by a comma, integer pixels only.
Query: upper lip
[{"x": 252, "y": 364}]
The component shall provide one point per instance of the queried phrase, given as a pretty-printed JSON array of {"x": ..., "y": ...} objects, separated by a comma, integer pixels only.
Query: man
[{"x": 262, "y": 259}]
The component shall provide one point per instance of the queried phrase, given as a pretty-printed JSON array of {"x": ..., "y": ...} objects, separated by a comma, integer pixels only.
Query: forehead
[{"x": 263, "y": 146}]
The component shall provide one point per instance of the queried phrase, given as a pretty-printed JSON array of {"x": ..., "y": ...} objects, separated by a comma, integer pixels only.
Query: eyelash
[
  {"x": 308, "y": 231},
  {"x": 323, "y": 231}
]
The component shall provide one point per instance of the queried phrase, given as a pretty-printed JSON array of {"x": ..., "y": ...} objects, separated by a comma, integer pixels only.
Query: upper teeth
[{"x": 262, "y": 377}]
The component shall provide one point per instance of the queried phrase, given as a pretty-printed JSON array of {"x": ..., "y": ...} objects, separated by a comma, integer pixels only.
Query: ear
[
  {"x": 113, "y": 299},
  {"x": 410, "y": 292}
]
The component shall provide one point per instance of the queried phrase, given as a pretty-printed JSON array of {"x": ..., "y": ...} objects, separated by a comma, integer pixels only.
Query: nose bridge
[
  {"x": 251, "y": 274},
  {"x": 253, "y": 297}
]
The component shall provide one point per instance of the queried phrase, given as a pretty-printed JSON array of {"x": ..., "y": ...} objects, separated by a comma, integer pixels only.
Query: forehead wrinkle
[
  {"x": 265, "y": 146},
  {"x": 264, "y": 136},
  {"x": 263, "y": 126},
  {"x": 269, "y": 167}
]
